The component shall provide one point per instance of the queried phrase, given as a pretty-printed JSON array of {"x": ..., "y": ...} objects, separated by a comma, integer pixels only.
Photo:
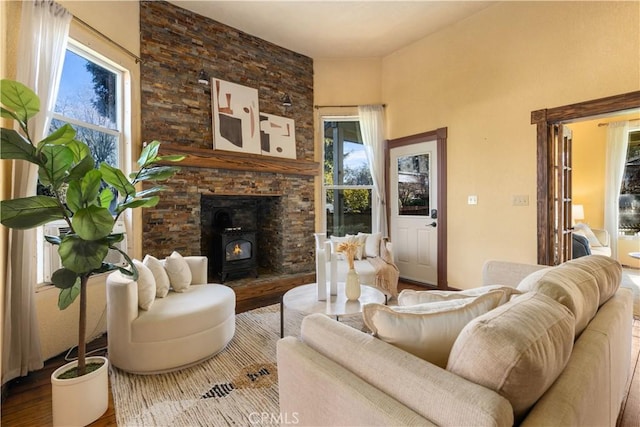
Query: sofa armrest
[
  {"x": 432, "y": 392},
  {"x": 313, "y": 391},
  {"x": 198, "y": 266},
  {"x": 506, "y": 273}
]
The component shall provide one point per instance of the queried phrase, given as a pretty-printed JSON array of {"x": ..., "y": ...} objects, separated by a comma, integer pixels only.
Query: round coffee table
[{"x": 304, "y": 299}]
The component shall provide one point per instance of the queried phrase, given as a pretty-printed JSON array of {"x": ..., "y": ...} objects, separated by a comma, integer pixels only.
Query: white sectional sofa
[{"x": 556, "y": 354}]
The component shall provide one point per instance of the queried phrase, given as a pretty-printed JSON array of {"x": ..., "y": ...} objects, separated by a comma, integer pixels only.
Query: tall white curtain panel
[
  {"x": 617, "y": 142},
  {"x": 44, "y": 28},
  {"x": 371, "y": 119}
]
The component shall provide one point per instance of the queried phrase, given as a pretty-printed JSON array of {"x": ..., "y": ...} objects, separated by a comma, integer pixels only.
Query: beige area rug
[
  {"x": 237, "y": 387},
  {"x": 631, "y": 280}
]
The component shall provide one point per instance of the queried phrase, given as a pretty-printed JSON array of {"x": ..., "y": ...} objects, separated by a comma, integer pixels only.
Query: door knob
[{"x": 433, "y": 224}]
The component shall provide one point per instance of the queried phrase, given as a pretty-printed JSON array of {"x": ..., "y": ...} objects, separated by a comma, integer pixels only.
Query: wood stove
[{"x": 234, "y": 249}]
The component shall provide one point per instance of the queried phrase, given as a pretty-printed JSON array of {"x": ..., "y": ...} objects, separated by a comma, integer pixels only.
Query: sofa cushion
[
  {"x": 517, "y": 350},
  {"x": 607, "y": 272},
  {"x": 180, "y": 314},
  {"x": 413, "y": 297},
  {"x": 159, "y": 274},
  {"x": 427, "y": 330},
  {"x": 146, "y": 286},
  {"x": 569, "y": 285},
  {"x": 178, "y": 271}
]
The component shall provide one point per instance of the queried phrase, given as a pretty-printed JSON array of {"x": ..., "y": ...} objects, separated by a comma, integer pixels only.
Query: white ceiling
[{"x": 337, "y": 29}]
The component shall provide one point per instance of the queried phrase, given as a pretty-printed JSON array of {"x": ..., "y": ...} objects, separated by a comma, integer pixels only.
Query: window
[
  {"x": 629, "y": 207},
  {"x": 90, "y": 99},
  {"x": 347, "y": 184}
]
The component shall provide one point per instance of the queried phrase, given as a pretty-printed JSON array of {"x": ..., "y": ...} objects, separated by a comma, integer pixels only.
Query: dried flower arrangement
[{"x": 349, "y": 249}]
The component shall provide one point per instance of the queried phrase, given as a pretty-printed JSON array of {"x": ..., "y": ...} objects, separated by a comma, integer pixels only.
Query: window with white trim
[
  {"x": 347, "y": 184},
  {"x": 91, "y": 98}
]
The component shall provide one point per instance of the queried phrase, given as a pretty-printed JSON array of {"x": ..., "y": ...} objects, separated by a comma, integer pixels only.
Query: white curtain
[
  {"x": 372, "y": 129},
  {"x": 617, "y": 142},
  {"x": 44, "y": 28}
]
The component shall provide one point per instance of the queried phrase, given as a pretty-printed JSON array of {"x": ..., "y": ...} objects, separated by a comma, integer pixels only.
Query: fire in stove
[{"x": 233, "y": 248}]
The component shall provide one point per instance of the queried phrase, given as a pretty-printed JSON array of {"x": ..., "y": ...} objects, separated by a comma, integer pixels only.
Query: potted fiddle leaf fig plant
[{"x": 84, "y": 195}]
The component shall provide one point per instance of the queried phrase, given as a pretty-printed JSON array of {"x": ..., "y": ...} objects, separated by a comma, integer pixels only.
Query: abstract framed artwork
[
  {"x": 277, "y": 136},
  {"x": 235, "y": 117}
]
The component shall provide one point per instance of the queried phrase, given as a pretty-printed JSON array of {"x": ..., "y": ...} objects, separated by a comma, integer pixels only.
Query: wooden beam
[{"x": 218, "y": 159}]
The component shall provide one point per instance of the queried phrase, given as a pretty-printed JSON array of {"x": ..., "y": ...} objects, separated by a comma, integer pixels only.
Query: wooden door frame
[
  {"x": 546, "y": 118},
  {"x": 440, "y": 136}
]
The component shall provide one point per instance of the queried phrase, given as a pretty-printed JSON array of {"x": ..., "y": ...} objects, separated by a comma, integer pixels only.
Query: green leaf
[
  {"x": 91, "y": 186},
  {"x": 80, "y": 150},
  {"x": 92, "y": 223},
  {"x": 54, "y": 240},
  {"x": 151, "y": 191},
  {"x": 64, "y": 278},
  {"x": 105, "y": 268},
  {"x": 74, "y": 196},
  {"x": 58, "y": 161},
  {"x": 158, "y": 173},
  {"x": 69, "y": 295},
  {"x": 63, "y": 135},
  {"x": 147, "y": 202},
  {"x": 80, "y": 169},
  {"x": 82, "y": 256},
  {"x": 29, "y": 212},
  {"x": 84, "y": 193},
  {"x": 117, "y": 179},
  {"x": 15, "y": 146},
  {"x": 111, "y": 239},
  {"x": 133, "y": 273},
  {"x": 7, "y": 114},
  {"x": 20, "y": 99},
  {"x": 106, "y": 196},
  {"x": 171, "y": 158},
  {"x": 149, "y": 154}
]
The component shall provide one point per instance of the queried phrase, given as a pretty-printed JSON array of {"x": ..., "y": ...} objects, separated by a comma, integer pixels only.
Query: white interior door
[{"x": 414, "y": 210}]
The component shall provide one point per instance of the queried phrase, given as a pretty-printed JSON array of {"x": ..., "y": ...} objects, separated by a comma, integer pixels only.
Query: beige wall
[{"x": 481, "y": 78}]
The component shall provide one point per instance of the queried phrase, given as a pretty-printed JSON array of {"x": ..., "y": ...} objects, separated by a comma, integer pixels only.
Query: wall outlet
[
  {"x": 472, "y": 200},
  {"x": 520, "y": 200}
]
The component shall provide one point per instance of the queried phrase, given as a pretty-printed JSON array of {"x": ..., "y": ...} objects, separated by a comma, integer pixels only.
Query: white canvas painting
[
  {"x": 235, "y": 117},
  {"x": 277, "y": 136}
]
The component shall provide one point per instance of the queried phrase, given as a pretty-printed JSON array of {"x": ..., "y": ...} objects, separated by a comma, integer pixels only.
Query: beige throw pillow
[
  {"x": 372, "y": 244},
  {"x": 427, "y": 330},
  {"x": 178, "y": 271},
  {"x": 160, "y": 275},
  {"x": 413, "y": 297},
  {"x": 146, "y": 286},
  {"x": 517, "y": 350}
]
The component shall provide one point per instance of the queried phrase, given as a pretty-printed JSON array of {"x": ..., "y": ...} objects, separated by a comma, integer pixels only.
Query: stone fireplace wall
[{"x": 176, "y": 110}]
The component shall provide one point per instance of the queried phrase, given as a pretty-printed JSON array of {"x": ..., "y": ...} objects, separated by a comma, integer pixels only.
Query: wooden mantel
[{"x": 218, "y": 159}]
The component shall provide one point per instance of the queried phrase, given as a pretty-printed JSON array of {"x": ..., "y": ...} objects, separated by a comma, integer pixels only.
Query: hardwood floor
[{"x": 28, "y": 400}]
